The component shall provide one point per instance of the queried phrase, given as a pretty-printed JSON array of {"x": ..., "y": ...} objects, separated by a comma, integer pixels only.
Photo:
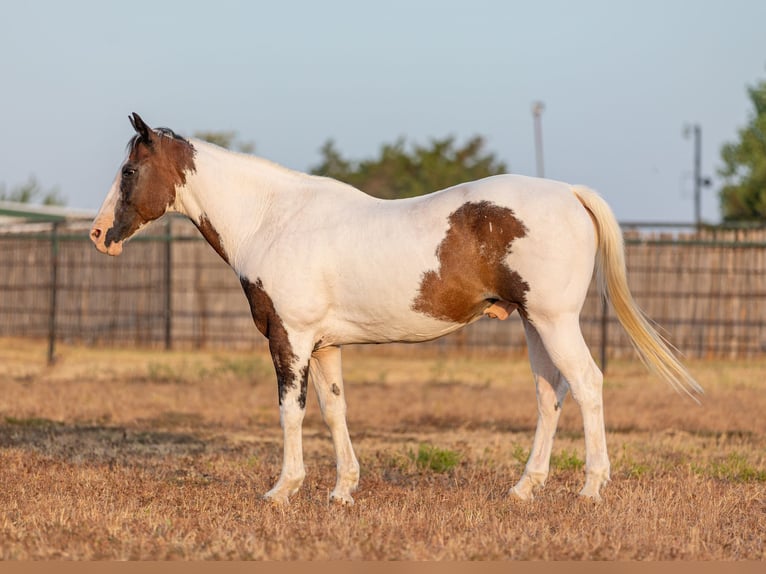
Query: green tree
[
  {"x": 397, "y": 172},
  {"x": 743, "y": 195},
  {"x": 32, "y": 192},
  {"x": 226, "y": 139}
]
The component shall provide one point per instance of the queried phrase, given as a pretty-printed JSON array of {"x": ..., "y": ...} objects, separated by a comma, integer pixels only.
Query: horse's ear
[{"x": 144, "y": 131}]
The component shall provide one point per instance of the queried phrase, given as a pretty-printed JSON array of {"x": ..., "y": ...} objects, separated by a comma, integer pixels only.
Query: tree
[
  {"x": 226, "y": 139},
  {"x": 743, "y": 196},
  {"x": 399, "y": 173},
  {"x": 32, "y": 192}
]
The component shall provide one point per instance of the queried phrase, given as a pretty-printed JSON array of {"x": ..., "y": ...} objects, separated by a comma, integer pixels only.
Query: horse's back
[{"x": 531, "y": 199}]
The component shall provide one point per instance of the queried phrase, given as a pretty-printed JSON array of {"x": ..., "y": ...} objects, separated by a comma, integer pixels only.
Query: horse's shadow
[{"x": 93, "y": 443}]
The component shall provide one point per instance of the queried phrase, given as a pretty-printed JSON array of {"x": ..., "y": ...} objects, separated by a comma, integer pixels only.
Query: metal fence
[{"x": 706, "y": 291}]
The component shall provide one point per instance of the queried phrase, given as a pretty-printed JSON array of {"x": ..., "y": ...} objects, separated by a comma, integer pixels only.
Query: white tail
[{"x": 611, "y": 275}]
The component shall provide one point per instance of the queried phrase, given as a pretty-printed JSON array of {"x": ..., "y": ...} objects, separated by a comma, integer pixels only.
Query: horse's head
[{"x": 145, "y": 186}]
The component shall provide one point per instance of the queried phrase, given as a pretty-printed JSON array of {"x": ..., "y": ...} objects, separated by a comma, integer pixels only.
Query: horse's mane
[
  {"x": 166, "y": 132},
  {"x": 170, "y": 133}
]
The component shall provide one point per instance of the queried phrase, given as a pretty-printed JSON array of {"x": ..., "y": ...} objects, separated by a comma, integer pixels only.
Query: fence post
[
  {"x": 168, "y": 284},
  {"x": 54, "y": 293}
]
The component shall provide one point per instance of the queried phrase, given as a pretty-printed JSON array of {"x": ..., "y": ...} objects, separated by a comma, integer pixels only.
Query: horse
[{"x": 323, "y": 265}]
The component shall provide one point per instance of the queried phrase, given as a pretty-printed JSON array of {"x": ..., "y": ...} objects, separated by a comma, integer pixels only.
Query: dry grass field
[{"x": 135, "y": 454}]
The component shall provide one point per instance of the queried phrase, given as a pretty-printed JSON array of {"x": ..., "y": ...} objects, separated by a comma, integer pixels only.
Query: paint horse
[{"x": 324, "y": 265}]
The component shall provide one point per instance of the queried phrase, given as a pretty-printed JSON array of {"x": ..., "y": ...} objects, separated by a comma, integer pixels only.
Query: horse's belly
[{"x": 407, "y": 328}]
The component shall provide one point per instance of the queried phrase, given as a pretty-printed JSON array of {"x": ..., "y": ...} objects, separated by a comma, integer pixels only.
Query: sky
[{"x": 619, "y": 79}]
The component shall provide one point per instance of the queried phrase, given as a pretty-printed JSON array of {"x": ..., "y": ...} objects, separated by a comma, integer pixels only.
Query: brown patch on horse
[
  {"x": 473, "y": 275},
  {"x": 269, "y": 323},
  {"x": 157, "y": 165},
  {"x": 213, "y": 238}
]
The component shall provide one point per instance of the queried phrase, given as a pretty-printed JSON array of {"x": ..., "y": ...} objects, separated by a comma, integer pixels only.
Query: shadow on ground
[{"x": 97, "y": 443}]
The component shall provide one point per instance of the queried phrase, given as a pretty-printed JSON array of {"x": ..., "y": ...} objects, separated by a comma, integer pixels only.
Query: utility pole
[
  {"x": 537, "y": 112},
  {"x": 699, "y": 180},
  {"x": 697, "y": 175}
]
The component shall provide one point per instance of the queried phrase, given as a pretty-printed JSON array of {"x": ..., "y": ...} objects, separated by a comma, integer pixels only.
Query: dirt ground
[{"x": 141, "y": 454}]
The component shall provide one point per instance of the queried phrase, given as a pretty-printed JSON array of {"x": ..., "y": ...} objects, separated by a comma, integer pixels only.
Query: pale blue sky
[{"x": 619, "y": 80}]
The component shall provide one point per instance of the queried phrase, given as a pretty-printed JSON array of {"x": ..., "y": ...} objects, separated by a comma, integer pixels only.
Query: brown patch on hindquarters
[
  {"x": 473, "y": 274},
  {"x": 271, "y": 326}
]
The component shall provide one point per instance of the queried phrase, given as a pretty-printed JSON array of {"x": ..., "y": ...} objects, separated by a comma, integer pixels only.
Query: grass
[
  {"x": 143, "y": 455},
  {"x": 735, "y": 467},
  {"x": 434, "y": 459},
  {"x": 567, "y": 460}
]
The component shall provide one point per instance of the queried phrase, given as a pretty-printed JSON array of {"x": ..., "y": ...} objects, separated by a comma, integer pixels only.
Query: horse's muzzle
[{"x": 98, "y": 237}]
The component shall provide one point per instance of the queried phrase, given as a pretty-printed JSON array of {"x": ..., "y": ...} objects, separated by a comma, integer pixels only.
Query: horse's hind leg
[
  {"x": 567, "y": 349},
  {"x": 551, "y": 390},
  {"x": 325, "y": 371}
]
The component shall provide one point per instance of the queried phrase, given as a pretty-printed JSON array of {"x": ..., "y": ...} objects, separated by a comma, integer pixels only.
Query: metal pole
[
  {"x": 168, "y": 284},
  {"x": 537, "y": 112},
  {"x": 697, "y": 175},
  {"x": 54, "y": 292}
]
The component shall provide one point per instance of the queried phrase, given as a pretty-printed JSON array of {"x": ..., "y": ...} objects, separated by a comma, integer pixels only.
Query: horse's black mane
[{"x": 167, "y": 132}]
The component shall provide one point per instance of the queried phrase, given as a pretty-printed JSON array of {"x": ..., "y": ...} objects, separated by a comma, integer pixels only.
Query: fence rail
[{"x": 705, "y": 289}]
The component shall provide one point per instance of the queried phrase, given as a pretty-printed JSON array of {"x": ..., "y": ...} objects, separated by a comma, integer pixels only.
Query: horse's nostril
[{"x": 95, "y": 233}]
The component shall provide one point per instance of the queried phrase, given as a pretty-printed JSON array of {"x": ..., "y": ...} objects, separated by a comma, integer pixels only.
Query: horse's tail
[{"x": 611, "y": 275}]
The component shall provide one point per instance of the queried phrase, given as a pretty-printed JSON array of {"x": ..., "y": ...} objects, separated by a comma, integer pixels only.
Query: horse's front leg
[
  {"x": 326, "y": 374},
  {"x": 292, "y": 366}
]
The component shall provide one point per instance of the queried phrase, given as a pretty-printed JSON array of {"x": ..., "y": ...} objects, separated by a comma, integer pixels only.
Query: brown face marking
[
  {"x": 270, "y": 325},
  {"x": 472, "y": 269},
  {"x": 213, "y": 238},
  {"x": 157, "y": 164}
]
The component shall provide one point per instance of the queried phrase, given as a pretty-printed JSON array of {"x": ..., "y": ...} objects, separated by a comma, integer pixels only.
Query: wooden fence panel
[{"x": 706, "y": 292}]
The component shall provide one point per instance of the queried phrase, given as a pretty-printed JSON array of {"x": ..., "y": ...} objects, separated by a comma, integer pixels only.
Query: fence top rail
[
  {"x": 723, "y": 226},
  {"x": 680, "y": 242},
  {"x": 636, "y": 233},
  {"x": 83, "y": 236}
]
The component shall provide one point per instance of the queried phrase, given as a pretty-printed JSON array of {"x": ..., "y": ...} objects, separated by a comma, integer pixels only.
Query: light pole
[
  {"x": 699, "y": 181},
  {"x": 537, "y": 112}
]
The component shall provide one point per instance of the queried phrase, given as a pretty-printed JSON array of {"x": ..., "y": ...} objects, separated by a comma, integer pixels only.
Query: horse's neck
[{"x": 232, "y": 197}]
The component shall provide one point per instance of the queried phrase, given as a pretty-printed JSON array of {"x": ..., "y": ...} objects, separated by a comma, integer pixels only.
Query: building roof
[{"x": 14, "y": 212}]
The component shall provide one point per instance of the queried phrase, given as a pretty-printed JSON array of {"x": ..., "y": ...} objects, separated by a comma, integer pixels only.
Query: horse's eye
[{"x": 128, "y": 171}]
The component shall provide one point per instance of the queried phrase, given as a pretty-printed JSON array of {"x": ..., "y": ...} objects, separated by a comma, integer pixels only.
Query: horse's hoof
[
  {"x": 341, "y": 499},
  {"x": 593, "y": 497},
  {"x": 520, "y": 494},
  {"x": 527, "y": 485},
  {"x": 593, "y": 483},
  {"x": 276, "y": 498}
]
